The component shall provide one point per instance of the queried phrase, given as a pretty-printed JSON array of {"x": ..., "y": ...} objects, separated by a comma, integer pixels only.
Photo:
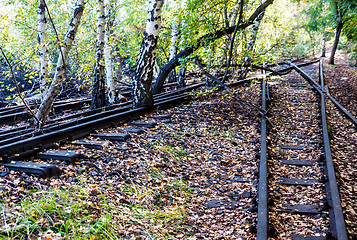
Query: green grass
[{"x": 77, "y": 213}]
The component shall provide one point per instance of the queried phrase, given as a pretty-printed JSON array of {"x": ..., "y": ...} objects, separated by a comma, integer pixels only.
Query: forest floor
[{"x": 192, "y": 176}]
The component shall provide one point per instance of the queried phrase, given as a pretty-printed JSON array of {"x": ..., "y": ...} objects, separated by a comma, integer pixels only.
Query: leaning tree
[
  {"x": 142, "y": 72},
  {"x": 52, "y": 92}
]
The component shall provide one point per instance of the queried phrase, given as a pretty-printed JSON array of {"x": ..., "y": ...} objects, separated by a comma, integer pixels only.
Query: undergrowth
[{"x": 89, "y": 211}]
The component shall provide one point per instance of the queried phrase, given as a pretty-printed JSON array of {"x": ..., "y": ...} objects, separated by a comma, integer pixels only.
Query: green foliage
[
  {"x": 322, "y": 17},
  {"x": 289, "y": 29}
]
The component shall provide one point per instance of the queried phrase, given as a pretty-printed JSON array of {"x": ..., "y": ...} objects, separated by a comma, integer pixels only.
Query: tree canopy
[{"x": 289, "y": 29}]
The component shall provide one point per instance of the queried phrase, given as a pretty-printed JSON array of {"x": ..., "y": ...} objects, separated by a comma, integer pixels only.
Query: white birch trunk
[
  {"x": 234, "y": 15},
  {"x": 174, "y": 38},
  {"x": 142, "y": 75},
  {"x": 53, "y": 90},
  {"x": 98, "y": 87},
  {"x": 43, "y": 50},
  {"x": 108, "y": 54},
  {"x": 253, "y": 38},
  {"x": 156, "y": 69},
  {"x": 323, "y": 52},
  {"x": 175, "y": 33}
]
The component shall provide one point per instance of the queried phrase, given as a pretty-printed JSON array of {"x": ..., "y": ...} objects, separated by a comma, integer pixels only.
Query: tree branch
[
  {"x": 54, "y": 29},
  {"x": 166, "y": 69}
]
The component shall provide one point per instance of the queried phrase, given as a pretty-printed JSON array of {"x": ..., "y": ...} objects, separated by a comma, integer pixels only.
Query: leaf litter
[{"x": 192, "y": 176}]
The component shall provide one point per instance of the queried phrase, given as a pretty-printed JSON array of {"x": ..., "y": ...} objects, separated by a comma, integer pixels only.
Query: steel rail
[
  {"x": 337, "y": 104},
  {"x": 11, "y": 116},
  {"x": 35, "y": 144},
  {"x": 29, "y": 145},
  {"x": 338, "y": 225},
  {"x": 58, "y": 126},
  {"x": 263, "y": 219},
  {"x": 16, "y": 131},
  {"x": 340, "y": 107},
  {"x": 26, "y": 129},
  {"x": 299, "y": 65},
  {"x": 84, "y": 126},
  {"x": 64, "y": 104}
]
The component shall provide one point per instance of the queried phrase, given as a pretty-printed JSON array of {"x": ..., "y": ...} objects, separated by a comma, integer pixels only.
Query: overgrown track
[
  {"x": 29, "y": 142},
  {"x": 302, "y": 201},
  {"x": 11, "y": 115},
  {"x": 24, "y": 141}
]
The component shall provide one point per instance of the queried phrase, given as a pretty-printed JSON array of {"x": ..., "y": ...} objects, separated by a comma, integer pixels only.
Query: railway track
[
  {"x": 25, "y": 141},
  {"x": 22, "y": 142},
  {"x": 16, "y": 114},
  {"x": 297, "y": 192},
  {"x": 298, "y": 196}
]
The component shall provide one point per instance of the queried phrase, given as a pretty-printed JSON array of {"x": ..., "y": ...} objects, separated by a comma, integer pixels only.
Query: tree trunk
[
  {"x": 181, "y": 77},
  {"x": 142, "y": 74},
  {"x": 166, "y": 69},
  {"x": 43, "y": 50},
  {"x": 335, "y": 43},
  {"x": 229, "y": 23},
  {"x": 108, "y": 53},
  {"x": 156, "y": 69},
  {"x": 173, "y": 47},
  {"x": 323, "y": 51},
  {"x": 53, "y": 90},
  {"x": 235, "y": 13},
  {"x": 231, "y": 46},
  {"x": 98, "y": 88},
  {"x": 252, "y": 39}
]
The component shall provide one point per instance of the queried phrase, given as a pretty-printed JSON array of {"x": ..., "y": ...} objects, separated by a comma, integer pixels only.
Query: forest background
[{"x": 289, "y": 30}]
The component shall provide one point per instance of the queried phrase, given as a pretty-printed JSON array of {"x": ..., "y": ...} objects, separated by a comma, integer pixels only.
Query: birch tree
[
  {"x": 323, "y": 50},
  {"x": 98, "y": 87},
  {"x": 43, "y": 50},
  {"x": 53, "y": 90},
  {"x": 108, "y": 53},
  {"x": 142, "y": 74},
  {"x": 173, "y": 45},
  {"x": 253, "y": 38},
  {"x": 228, "y": 23}
]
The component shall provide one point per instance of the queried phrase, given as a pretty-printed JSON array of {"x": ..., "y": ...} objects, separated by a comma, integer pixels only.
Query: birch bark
[
  {"x": 53, "y": 90},
  {"x": 174, "y": 38},
  {"x": 142, "y": 74},
  {"x": 98, "y": 87},
  {"x": 253, "y": 38},
  {"x": 173, "y": 47},
  {"x": 108, "y": 53},
  {"x": 43, "y": 50},
  {"x": 323, "y": 51}
]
